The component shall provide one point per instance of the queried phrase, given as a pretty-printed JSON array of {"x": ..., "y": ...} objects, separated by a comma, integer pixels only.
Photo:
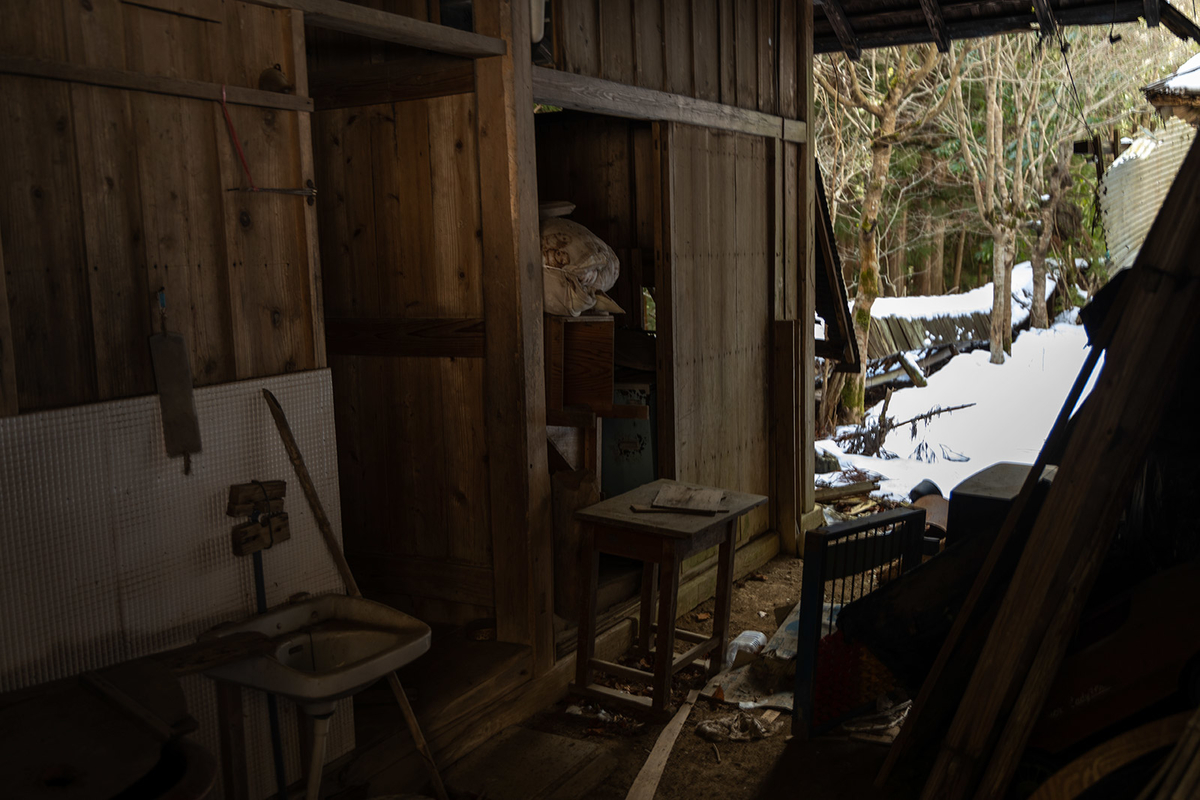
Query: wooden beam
[
  {"x": 1179, "y": 24},
  {"x": 1151, "y": 12},
  {"x": 514, "y": 377},
  {"x": 155, "y": 84},
  {"x": 1047, "y": 25},
  {"x": 584, "y": 93},
  {"x": 937, "y": 24},
  {"x": 978, "y": 28},
  {"x": 842, "y": 29},
  {"x": 806, "y": 272},
  {"x": 429, "y": 338},
  {"x": 416, "y": 77},
  {"x": 336, "y": 15}
]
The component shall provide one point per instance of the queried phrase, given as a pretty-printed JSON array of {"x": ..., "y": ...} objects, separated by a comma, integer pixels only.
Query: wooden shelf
[{"x": 336, "y": 15}]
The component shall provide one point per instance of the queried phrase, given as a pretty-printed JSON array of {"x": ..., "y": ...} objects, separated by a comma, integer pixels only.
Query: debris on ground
[
  {"x": 737, "y": 727},
  {"x": 881, "y": 726}
]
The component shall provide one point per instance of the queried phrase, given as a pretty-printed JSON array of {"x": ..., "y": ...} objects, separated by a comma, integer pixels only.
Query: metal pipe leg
[{"x": 316, "y": 767}]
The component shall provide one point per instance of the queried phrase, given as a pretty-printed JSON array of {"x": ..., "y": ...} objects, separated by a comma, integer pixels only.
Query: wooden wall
[
  {"x": 714, "y": 310},
  {"x": 604, "y": 165},
  {"x": 400, "y": 223},
  {"x": 720, "y": 50},
  {"x": 108, "y": 195}
]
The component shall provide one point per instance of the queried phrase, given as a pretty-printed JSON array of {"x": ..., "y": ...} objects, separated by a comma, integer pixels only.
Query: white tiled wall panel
[{"x": 108, "y": 551}]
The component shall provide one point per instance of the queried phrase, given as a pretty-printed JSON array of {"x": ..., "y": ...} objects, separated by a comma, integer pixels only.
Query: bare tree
[
  {"x": 998, "y": 170},
  {"x": 895, "y": 94}
]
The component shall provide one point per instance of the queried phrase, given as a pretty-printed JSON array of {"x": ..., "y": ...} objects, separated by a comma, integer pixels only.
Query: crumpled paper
[{"x": 739, "y": 727}]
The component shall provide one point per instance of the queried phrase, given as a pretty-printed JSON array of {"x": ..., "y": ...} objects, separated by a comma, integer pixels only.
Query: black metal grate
[{"x": 843, "y": 562}]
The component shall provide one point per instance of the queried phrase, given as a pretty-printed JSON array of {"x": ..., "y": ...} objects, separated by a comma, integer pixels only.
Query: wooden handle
[{"x": 310, "y": 493}]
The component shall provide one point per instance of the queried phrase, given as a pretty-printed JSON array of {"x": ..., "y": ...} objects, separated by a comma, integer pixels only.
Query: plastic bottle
[{"x": 749, "y": 642}]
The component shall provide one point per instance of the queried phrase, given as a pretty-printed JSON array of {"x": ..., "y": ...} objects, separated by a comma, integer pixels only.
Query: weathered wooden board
[
  {"x": 726, "y": 51},
  {"x": 112, "y": 193},
  {"x": 722, "y": 262},
  {"x": 402, "y": 265}
]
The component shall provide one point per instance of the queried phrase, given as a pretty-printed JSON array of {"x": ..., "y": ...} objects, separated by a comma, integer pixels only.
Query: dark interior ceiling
[{"x": 856, "y": 25}]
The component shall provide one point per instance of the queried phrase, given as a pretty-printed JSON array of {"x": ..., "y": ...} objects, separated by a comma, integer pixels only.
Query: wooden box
[{"x": 579, "y": 362}]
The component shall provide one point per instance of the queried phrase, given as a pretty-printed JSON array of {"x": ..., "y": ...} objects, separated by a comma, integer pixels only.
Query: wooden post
[
  {"x": 806, "y": 293},
  {"x": 785, "y": 441},
  {"x": 513, "y": 358}
]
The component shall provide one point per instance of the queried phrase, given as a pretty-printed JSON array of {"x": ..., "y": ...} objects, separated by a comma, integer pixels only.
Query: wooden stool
[{"x": 662, "y": 540}]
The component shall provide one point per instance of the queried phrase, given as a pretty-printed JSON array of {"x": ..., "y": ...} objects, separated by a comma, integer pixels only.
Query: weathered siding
[
  {"x": 721, "y": 50},
  {"x": 108, "y": 195},
  {"x": 718, "y": 268},
  {"x": 400, "y": 222}
]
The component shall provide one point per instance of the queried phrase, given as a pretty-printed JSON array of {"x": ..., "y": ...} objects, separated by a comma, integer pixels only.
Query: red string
[{"x": 236, "y": 142}]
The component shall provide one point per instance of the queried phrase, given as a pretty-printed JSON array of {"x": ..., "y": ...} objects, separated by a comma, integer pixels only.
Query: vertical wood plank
[
  {"x": 116, "y": 253},
  {"x": 8, "y": 365},
  {"x": 785, "y": 363},
  {"x": 745, "y": 27},
  {"x": 648, "y": 50},
  {"x": 727, "y": 51},
  {"x": 44, "y": 257},
  {"x": 787, "y": 58},
  {"x": 304, "y": 141},
  {"x": 706, "y": 49},
  {"x": 580, "y": 36},
  {"x": 677, "y": 46},
  {"x": 512, "y": 296},
  {"x": 664, "y": 295},
  {"x": 616, "y": 33},
  {"x": 269, "y": 273},
  {"x": 768, "y": 68}
]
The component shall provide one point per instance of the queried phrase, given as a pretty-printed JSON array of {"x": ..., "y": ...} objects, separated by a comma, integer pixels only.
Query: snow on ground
[
  {"x": 1015, "y": 406},
  {"x": 958, "y": 305}
]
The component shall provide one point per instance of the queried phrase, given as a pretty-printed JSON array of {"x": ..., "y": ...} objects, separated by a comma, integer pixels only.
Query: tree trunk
[
  {"x": 978, "y": 274},
  {"x": 1010, "y": 252},
  {"x": 854, "y": 392},
  {"x": 937, "y": 265},
  {"x": 897, "y": 263},
  {"x": 1060, "y": 182},
  {"x": 956, "y": 286},
  {"x": 999, "y": 298}
]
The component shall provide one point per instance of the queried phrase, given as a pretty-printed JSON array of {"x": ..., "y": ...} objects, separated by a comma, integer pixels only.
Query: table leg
[
  {"x": 668, "y": 601},
  {"x": 589, "y": 567},
  {"x": 649, "y": 596},
  {"x": 724, "y": 598}
]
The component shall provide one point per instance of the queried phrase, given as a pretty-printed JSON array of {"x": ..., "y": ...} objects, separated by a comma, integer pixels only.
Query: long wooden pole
[{"x": 335, "y": 550}]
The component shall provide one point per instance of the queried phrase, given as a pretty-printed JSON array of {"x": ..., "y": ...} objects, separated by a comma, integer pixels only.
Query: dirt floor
[{"x": 779, "y": 766}]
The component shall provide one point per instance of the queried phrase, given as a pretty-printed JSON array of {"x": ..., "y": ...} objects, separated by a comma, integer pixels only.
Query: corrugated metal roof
[{"x": 1136, "y": 184}]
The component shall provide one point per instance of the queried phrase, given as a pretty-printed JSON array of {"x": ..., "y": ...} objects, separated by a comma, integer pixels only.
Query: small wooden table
[{"x": 662, "y": 541}]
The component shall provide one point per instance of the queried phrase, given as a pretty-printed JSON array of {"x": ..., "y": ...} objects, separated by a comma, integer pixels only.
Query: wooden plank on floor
[{"x": 645, "y": 785}]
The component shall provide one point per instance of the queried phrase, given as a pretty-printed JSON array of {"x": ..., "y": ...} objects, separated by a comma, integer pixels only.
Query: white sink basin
[{"x": 328, "y": 648}]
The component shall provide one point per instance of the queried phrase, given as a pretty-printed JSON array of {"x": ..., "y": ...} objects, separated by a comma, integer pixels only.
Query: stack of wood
[{"x": 988, "y": 685}]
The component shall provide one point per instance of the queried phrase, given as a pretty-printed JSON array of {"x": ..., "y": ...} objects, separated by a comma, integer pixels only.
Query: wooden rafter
[
  {"x": 1047, "y": 23},
  {"x": 841, "y": 26},
  {"x": 1152, "y": 13},
  {"x": 884, "y": 35},
  {"x": 1179, "y": 24},
  {"x": 937, "y": 24}
]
